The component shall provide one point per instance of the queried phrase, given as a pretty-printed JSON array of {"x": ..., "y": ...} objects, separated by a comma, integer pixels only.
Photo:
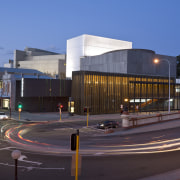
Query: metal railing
[{"x": 157, "y": 118}]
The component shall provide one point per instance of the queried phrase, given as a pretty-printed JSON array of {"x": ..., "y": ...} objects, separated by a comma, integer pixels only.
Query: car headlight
[{"x": 102, "y": 125}]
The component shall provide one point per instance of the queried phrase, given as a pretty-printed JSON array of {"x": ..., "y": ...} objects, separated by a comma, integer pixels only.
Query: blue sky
[{"x": 47, "y": 24}]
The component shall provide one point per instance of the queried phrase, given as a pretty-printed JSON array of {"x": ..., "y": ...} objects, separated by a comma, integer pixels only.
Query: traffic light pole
[
  {"x": 60, "y": 112},
  {"x": 19, "y": 113},
  {"x": 87, "y": 115},
  {"x": 77, "y": 154},
  {"x": 10, "y": 107}
]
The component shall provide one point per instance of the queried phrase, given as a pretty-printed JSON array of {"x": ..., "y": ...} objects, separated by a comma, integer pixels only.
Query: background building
[
  {"x": 8, "y": 88},
  {"x": 50, "y": 63},
  {"x": 36, "y": 91}
]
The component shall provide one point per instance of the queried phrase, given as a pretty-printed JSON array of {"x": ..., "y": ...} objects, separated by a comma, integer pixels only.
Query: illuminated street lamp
[{"x": 156, "y": 61}]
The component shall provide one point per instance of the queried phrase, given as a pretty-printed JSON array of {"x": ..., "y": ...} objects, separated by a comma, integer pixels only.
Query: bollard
[{"x": 125, "y": 121}]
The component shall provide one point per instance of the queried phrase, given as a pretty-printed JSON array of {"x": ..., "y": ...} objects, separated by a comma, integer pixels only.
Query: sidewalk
[
  {"x": 54, "y": 116},
  {"x": 51, "y": 116}
]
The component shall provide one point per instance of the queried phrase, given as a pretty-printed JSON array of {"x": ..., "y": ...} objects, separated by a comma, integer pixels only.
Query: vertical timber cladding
[
  {"x": 76, "y": 91},
  {"x": 43, "y": 94},
  {"x": 105, "y": 92}
]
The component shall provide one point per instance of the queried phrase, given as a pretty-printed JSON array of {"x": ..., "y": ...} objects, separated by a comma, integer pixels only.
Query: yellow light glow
[
  {"x": 156, "y": 61},
  {"x": 126, "y": 100}
]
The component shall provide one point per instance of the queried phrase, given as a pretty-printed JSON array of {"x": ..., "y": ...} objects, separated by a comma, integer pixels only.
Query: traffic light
[
  {"x": 20, "y": 106},
  {"x": 60, "y": 106},
  {"x": 85, "y": 109},
  {"x": 73, "y": 142}
]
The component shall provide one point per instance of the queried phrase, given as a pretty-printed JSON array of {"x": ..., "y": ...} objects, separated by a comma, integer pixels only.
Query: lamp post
[
  {"x": 156, "y": 61},
  {"x": 15, "y": 155}
]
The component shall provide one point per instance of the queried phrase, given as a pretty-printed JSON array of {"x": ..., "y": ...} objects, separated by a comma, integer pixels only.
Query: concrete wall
[
  {"x": 47, "y": 62},
  {"x": 88, "y": 45},
  {"x": 131, "y": 61},
  {"x": 163, "y": 67},
  {"x": 74, "y": 52},
  {"x": 140, "y": 61},
  {"x": 130, "y": 121},
  {"x": 38, "y": 52},
  {"x": 50, "y": 64},
  {"x": 18, "y": 55},
  {"x": 112, "y": 62}
]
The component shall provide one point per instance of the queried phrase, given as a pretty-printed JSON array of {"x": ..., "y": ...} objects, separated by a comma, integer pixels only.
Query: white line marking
[
  {"x": 22, "y": 157},
  {"x": 31, "y": 167},
  {"x": 99, "y": 154},
  {"x": 6, "y": 148}
]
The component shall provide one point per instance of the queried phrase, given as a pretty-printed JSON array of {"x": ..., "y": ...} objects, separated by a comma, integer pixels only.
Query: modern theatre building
[{"x": 125, "y": 77}]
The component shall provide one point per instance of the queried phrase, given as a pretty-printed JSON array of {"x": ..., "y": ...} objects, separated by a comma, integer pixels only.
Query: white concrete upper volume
[{"x": 88, "y": 45}]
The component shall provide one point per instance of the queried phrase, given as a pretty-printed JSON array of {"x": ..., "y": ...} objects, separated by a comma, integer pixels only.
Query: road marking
[
  {"x": 99, "y": 154},
  {"x": 22, "y": 157},
  {"x": 2, "y": 128},
  {"x": 30, "y": 168},
  {"x": 6, "y": 148}
]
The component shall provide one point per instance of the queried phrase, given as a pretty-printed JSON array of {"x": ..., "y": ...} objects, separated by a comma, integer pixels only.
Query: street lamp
[
  {"x": 15, "y": 155},
  {"x": 156, "y": 61}
]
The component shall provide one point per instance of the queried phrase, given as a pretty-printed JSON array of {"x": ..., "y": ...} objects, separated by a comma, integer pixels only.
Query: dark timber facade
[
  {"x": 105, "y": 92},
  {"x": 43, "y": 95}
]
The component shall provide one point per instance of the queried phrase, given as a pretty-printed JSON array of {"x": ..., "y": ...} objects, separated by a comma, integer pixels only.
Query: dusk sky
[{"x": 47, "y": 24}]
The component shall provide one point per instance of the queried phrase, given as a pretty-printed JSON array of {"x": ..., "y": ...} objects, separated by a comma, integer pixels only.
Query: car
[
  {"x": 108, "y": 124},
  {"x": 3, "y": 116}
]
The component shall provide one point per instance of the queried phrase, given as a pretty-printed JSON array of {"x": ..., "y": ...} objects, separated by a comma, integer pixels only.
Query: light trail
[
  {"x": 15, "y": 135},
  {"x": 145, "y": 144}
]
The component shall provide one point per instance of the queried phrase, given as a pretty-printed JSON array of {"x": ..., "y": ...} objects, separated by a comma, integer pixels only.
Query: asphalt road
[
  {"x": 58, "y": 134},
  {"x": 128, "y": 167},
  {"x": 114, "y": 167}
]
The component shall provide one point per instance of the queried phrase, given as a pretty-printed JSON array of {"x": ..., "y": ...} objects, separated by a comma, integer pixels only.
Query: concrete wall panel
[{"x": 88, "y": 45}]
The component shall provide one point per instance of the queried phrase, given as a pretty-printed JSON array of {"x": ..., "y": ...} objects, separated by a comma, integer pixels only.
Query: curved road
[{"x": 54, "y": 137}]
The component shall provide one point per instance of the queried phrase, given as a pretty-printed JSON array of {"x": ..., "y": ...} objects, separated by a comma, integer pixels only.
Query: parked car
[
  {"x": 108, "y": 124},
  {"x": 3, "y": 116}
]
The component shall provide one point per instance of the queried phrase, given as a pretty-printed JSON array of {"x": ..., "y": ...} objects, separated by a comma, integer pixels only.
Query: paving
[{"x": 54, "y": 116}]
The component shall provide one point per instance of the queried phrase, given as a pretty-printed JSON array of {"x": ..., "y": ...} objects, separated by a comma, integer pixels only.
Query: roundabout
[{"x": 47, "y": 137}]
